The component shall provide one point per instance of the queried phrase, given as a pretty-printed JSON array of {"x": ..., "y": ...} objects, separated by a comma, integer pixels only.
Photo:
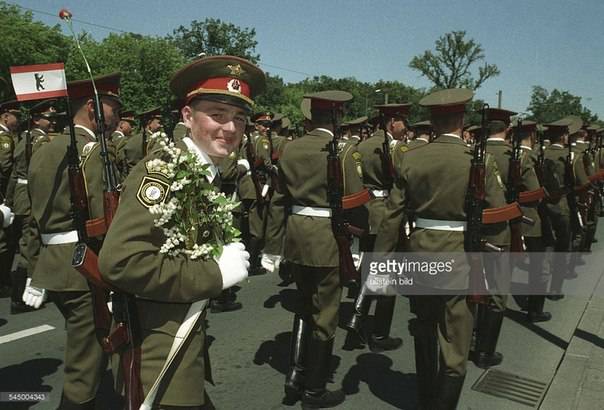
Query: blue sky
[{"x": 552, "y": 43}]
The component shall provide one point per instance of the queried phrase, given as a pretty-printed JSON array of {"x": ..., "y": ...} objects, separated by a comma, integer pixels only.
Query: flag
[{"x": 39, "y": 81}]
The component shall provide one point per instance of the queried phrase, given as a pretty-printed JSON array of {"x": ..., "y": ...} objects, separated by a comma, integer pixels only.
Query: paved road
[{"x": 249, "y": 352}]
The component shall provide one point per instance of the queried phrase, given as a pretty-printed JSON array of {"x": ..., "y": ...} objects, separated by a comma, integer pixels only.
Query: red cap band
[{"x": 230, "y": 84}]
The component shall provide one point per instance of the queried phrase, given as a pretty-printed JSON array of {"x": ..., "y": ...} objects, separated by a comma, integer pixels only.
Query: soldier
[
  {"x": 423, "y": 133},
  {"x": 42, "y": 114},
  {"x": 48, "y": 186},
  {"x": 218, "y": 93},
  {"x": 498, "y": 267},
  {"x": 431, "y": 183},
  {"x": 532, "y": 234},
  {"x": 140, "y": 144},
  {"x": 120, "y": 138},
  {"x": 9, "y": 124},
  {"x": 354, "y": 128},
  {"x": 376, "y": 167},
  {"x": 557, "y": 206},
  {"x": 311, "y": 249}
]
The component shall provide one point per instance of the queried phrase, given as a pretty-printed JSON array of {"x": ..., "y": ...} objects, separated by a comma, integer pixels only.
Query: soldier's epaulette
[{"x": 87, "y": 150}]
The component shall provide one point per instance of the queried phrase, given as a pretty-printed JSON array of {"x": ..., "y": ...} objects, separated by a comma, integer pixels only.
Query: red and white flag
[{"x": 39, "y": 81}]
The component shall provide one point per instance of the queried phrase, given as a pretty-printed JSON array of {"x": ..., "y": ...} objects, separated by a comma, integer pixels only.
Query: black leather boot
[
  {"x": 316, "y": 395},
  {"x": 448, "y": 390},
  {"x": 535, "y": 309},
  {"x": 488, "y": 326},
  {"x": 360, "y": 310},
  {"x": 425, "y": 340},
  {"x": 294, "y": 380},
  {"x": 380, "y": 339}
]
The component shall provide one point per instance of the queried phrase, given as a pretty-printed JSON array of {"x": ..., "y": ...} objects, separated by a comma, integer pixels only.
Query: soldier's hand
[
  {"x": 234, "y": 264},
  {"x": 33, "y": 296},
  {"x": 8, "y": 216}
]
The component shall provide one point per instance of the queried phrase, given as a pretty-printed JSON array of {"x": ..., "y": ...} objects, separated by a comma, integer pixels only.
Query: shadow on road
[
  {"x": 590, "y": 337},
  {"x": 520, "y": 318},
  {"x": 393, "y": 387},
  {"x": 27, "y": 377},
  {"x": 289, "y": 299}
]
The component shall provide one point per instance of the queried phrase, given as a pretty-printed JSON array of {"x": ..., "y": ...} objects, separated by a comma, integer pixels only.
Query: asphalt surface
[{"x": 249, "y": 352}]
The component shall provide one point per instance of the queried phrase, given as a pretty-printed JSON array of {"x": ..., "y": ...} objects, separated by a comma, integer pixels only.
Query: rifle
[
  {"x": 144, "y": 138},
  {"x": 477, "y": 216},
  {"x": 339, "y": 225},
  {"x": 387, "y": 166},
  {"x": 28, "y": 142},
  {"x": 251, "y": 159},
  {"x": 569, "y": 183},
  {"x": 125, "y": 337},
  {"x": 512, "y": 189}
]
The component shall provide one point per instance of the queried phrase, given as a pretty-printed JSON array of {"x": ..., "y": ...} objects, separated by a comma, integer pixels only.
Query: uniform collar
[
  {"x": 526, "y": 147},
  {"x": 202, "y": 156},
  {"x": 422, "y": 139},
  {"x": 4, "y": 128},
  {"x": 87, "y": 130},
  {"x": 495, "y": 139},
  {"x": 39, "y": 130},
  {"x": 324, "y": 130},
  {"x": 120, "y": 132},
  {"x": 557, "y": 145},
  {"x": 450, "y": 138}
]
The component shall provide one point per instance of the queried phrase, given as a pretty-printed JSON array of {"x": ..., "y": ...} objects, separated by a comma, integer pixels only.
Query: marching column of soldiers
[{"x": 310, "y": 208}]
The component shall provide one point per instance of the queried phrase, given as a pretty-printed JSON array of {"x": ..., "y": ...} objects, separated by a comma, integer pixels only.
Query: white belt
[
  {"x": 380, "y": 193},
  {"x": 59, "y": 238},
  {"x": 311, "y": 211},
  {"x": 21, "y": 181},
  {"x": 440, "y": 225}
]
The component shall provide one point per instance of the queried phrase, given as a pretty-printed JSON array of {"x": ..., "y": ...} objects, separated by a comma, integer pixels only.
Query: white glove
[
  {"x": 33, "y": 296},
  {"x": 233, "y": 263},
  {"x": 8, "y": 215},
  {"x": 270, "y": 262}
]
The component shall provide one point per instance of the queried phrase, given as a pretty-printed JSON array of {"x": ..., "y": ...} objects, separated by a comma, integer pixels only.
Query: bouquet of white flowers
[{"x": 197, "y": 220}]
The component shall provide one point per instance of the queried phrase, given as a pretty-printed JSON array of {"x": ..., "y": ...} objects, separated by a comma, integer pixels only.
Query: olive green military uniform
[
  {"x": 532, "y": 235},
  {"x": 558, "y": 213},
  {"x": 431, "y": 183},
  {"x": 131, "y": 152},
  {"x": 165, "y": 285},
  {"x": 273, "y": 244},
  {"x": 417, "y": 142},
  {"x": 309, "y": 242},
  {"x": 48, "y": 185},
  {"x": 7, "y": 147},
  {"x": 180, "y": 131}
]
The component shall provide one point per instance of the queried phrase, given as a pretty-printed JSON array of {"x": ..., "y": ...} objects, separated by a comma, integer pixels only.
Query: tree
[
  {"x": 449, "y": 66},
  {"x": 27, "y": 42},
  {"x": 214, "y": 37},
  {"x": 548, "y": 106},
  {"x": 146, "y": 63}
]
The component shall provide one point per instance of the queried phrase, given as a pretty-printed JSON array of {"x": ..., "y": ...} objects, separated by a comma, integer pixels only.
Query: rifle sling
[{"x": 96, "y": 227}]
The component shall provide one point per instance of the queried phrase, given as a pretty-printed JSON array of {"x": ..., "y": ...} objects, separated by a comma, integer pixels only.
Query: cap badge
[
  {"x": 234, "y": 86},
  {"x": 236, "y": 69}
]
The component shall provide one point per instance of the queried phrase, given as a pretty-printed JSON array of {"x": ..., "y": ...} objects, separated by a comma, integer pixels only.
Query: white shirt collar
[
  {"x": 88, "y": 130},
  {"x": 4, "y": 127},
  {"x": 120, "y": 132},
  {"x": 324, "y": 130},
  {"x": 526, "y": 147},
  {"x": 558, "y": 145},
  {"x": 452, "y": 135},
  {"x": 582, "y": 142},
  {"x": 422, "y": 138},
  {"x": 356, "y": 137},
  {"x": 202, "y": 156},
  {"x": 495, "y": 139},
  {"x": 40, "y": 130}
]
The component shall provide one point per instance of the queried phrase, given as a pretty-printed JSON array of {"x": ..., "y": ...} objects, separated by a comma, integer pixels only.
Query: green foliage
[
  {"x": 449, "y": 66},
  {"x": 214, "y": 37},
  {"x": 25, "y": 41},
  {"x": 548, "y": 106},
  {"x": 146, "y": 63}
]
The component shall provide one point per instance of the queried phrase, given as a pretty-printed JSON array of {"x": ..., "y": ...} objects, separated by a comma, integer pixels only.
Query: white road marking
[{"x": 25, "y": 333}]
